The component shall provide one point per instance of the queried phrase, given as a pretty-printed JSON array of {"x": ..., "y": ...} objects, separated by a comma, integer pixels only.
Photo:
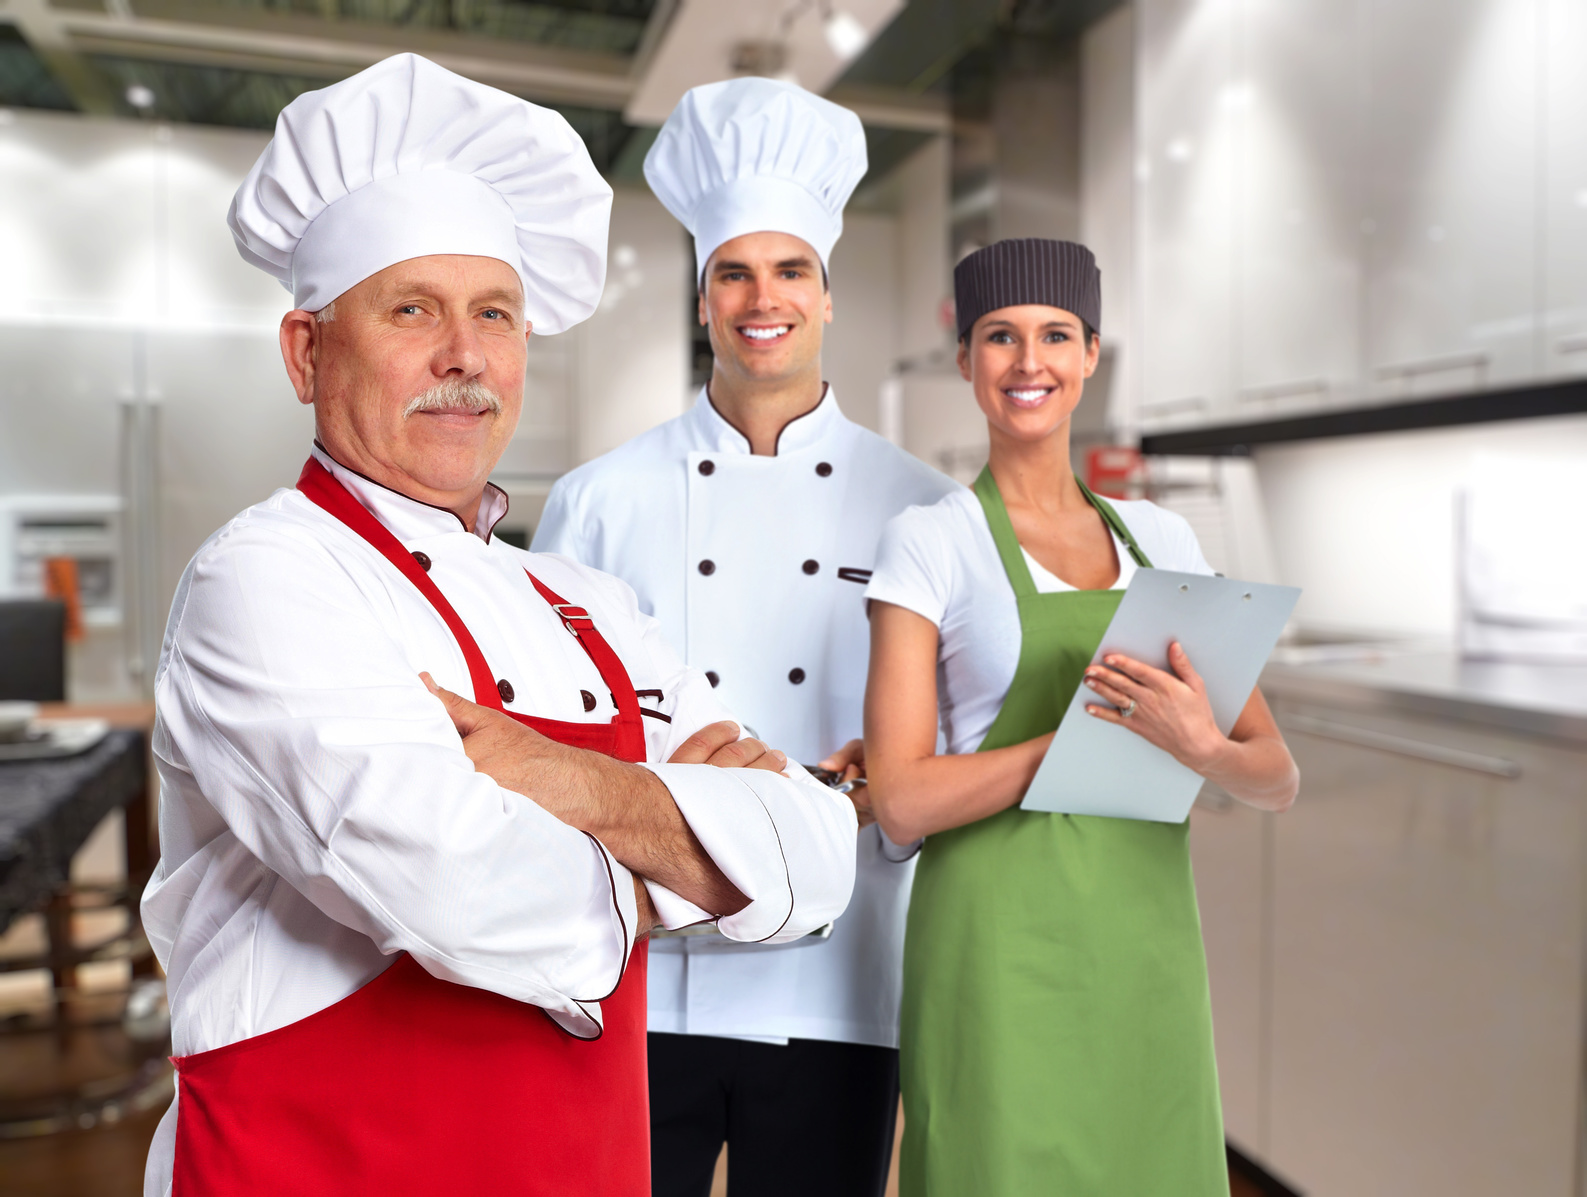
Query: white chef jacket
[
  {"x": 319, "y": 815},
  {"x": 756, "y": 568}
]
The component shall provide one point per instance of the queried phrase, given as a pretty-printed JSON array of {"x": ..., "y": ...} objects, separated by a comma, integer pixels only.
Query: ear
[
  {"x": 1093, "y": 354},
  {"x": 300, "y": 334},
  {"x": 826, "y": 306},
  {"x": 963, "y": 358},
  {"x": 700, "y": 306}
]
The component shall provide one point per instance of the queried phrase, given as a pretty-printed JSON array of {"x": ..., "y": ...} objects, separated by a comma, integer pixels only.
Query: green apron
[{"x": 1057, "y": 1033}]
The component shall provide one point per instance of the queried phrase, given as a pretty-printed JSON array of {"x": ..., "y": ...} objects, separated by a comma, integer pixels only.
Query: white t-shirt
[{"x": 941, "y": 562}]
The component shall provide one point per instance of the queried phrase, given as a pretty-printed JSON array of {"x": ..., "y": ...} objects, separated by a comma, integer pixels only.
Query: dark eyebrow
[
  {"x": 790, "y": 263},
  {"x": 721, "y": 266}
]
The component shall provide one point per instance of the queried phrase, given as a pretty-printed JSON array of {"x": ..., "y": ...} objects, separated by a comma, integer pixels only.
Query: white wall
[
  {"x": 1366, "y": 525},
  {"x": 633, "y": 354},
  {"x": 861, "y": 343}
]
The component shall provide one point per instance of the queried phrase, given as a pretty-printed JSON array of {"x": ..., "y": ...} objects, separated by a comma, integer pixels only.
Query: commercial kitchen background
[{"x": 1344, "y": 256}]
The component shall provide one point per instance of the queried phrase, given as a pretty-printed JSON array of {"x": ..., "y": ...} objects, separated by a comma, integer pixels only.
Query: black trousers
[{"x": 812, "y": 1119}]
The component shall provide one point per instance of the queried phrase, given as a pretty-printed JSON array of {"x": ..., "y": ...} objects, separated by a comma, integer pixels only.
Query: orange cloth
[{"x": 60, "y": 582}]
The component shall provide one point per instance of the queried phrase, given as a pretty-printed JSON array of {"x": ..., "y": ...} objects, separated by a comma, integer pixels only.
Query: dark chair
[{"x": 33, "y": 650}]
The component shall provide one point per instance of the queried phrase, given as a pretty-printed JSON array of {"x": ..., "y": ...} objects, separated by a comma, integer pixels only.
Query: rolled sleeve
[{"x": 786, "y": 842}]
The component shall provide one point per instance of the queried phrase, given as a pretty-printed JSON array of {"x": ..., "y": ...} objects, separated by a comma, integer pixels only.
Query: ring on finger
[{"x": 1126, "y": 711}]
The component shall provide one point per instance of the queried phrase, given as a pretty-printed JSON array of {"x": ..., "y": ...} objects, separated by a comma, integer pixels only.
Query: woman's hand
[
  {"x": 1170, "y": 710},
  {"x": 1167, "y": 709},
  {"x": 848, "y": 763}
]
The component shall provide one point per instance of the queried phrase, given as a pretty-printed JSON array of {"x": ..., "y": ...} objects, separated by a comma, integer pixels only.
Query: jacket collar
[
  {"x": 408, "y": 519},
  {"x": 718, "y": 436}
]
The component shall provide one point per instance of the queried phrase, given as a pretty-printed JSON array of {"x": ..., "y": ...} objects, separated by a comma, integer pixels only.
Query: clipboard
[{"x": 1228, "y": 628}]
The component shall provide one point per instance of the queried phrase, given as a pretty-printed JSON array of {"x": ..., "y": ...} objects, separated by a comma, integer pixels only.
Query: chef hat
[
  {"x": 757, "y": 156},
  {"x": 1058, "y": 274},
  {"x": 406, "y": 159}
]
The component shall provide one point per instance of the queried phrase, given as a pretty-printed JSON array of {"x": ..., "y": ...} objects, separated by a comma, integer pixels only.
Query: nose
[
  {"x": 763, "y": 299},
  {"x": 1029, "y": 359},
  {"x": 460, "y": 350}
]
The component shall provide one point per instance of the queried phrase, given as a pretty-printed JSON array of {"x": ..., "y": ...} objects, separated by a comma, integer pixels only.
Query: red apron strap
[
  {"x": 324, "y": 490},
  {"x": 629, "y": 724}
]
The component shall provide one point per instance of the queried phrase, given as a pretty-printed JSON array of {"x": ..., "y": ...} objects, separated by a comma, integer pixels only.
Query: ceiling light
[
  {"x": 140, "y": 97},
  {"x": 845, "y": 35}
]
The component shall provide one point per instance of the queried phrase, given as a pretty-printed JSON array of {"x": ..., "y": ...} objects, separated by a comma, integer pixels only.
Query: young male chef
[
  {"x": 399, "y": 925},
  {"x": 748, "y": 527}
]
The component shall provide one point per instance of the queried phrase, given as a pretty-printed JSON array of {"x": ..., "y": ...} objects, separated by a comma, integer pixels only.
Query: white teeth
[
  {"x": 1030, "y": 395},
  {"x": 765, "y": 334}
]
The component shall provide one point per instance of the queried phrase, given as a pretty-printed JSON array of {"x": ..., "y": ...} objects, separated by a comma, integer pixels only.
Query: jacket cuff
[{"x": 739, "y": 835}]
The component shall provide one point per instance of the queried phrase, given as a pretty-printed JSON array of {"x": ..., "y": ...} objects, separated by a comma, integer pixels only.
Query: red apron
[{"x": 414, "y": 1085}]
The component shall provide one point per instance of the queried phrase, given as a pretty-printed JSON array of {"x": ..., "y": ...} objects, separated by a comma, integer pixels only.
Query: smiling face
[
  {"x": 1028, "y": 366},
  {"x": 764, "y": 302},
  {"x": 417, "y": 377}
]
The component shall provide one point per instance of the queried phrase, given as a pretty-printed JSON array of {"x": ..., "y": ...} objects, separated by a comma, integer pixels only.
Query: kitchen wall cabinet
[
  {"x": 1184, "y": 166},
  {"x": 1421, "y": 983},
  {"x": 1452, "y": 160},
  {"x": 1298, "y": 103},
  {"x": 1564, "y": 201},
  {"x": 1353, "y": 202}
]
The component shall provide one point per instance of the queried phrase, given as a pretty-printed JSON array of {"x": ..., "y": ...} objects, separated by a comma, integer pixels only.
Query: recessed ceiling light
[
  {"x": 845, "y": 34},
  {"x": 140, "y": 97}
]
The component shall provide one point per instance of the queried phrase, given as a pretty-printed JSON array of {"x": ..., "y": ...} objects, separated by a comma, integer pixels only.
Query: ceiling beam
[
  {"x": 41, "y": 27},
  {"x": 256, "y": 39}
]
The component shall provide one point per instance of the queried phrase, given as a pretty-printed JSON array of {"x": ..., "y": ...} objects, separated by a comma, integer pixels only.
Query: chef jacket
[
  {"x": 756, "y": 568},
  {"x": 319, "y": 815}
]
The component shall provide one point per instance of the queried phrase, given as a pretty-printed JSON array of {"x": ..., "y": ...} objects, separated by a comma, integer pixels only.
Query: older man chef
[
  {"x": 748, "y": 527},
  {"x": 393, "y": 951}
]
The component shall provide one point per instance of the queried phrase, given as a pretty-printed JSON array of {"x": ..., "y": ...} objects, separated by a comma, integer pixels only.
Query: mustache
[{"x": 455, "y": 394}]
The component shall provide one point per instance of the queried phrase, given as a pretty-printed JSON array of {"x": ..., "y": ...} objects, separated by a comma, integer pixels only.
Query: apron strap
[
  {"x": 322, "y": 488},
  {"x": 1008, "y": 549},
  {"x": 630, "y": 728},
  {"x": 1113, "y": 521},
  {"x": 1003, "y": 533}
]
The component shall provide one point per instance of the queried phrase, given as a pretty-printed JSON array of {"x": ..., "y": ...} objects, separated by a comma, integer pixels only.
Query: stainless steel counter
[{"x": 1536, "y": 700}]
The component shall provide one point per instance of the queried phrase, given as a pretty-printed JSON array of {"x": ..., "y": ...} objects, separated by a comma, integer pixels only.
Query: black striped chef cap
[{"x": 1060, "y": 274}]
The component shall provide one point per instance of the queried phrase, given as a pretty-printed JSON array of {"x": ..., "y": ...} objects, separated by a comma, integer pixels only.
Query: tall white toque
[
  {"x": 406, "y": 159},
  {"x": 757, "y": 156}
]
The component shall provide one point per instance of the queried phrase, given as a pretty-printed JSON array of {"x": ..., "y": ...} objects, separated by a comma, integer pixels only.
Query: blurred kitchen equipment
[
  {"x": 33, "y": 650},
  {"x": 1522, "y": 576},
  {"x": 15, "y": 719},
  {"x": 52, "y": 739}
]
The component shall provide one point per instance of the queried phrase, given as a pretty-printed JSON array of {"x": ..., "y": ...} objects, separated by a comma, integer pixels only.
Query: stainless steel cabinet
[{"x": 1420, "y": 986}]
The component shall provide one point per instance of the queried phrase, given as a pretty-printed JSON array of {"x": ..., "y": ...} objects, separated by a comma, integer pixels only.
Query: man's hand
[
  {"x": 626, "y": 807},
  {"x": 848, "y": 763},
  {"x": 500, "y": 746},
  {"x": 718, "y": 744}
]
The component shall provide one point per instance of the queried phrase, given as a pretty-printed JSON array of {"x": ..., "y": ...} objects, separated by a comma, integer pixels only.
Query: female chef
[{"x": 1056, "y": 1033}]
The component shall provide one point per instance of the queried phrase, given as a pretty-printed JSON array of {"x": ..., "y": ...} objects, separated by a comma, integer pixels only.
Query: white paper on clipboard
[{"x": 1228, "y": 628}]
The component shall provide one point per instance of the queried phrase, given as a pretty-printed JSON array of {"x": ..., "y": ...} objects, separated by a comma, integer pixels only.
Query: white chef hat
[
  {"x": 406, "y": 159},
  {"x": 757, "y": 156}
]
